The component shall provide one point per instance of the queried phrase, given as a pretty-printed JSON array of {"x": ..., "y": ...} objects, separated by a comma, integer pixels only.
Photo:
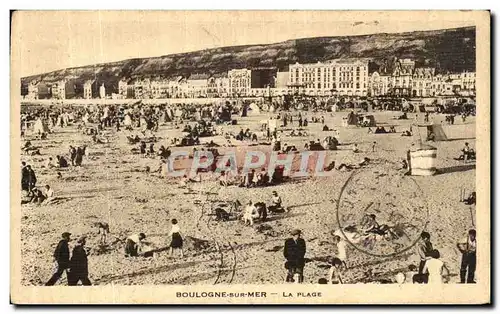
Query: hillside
[{"x": 450, "y": 50}]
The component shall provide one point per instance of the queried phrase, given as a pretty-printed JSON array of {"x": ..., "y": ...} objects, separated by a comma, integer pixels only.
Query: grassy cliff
[{"x": 449, "y": 50}]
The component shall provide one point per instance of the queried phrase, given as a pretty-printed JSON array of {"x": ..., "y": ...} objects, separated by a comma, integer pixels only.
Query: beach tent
[
  {"x": 423, "y": 159},
  {"x": 436, "y": 129},
  {"x": 254, "y": 108},
  {"x": 40, "y": 127}
]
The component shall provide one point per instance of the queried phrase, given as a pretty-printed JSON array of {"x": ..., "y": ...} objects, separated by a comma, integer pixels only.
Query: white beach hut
[{"x": 423, "y": 158}]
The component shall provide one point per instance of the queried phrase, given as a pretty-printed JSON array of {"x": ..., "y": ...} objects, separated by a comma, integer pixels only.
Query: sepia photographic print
[{"x": 250, "y": 157}]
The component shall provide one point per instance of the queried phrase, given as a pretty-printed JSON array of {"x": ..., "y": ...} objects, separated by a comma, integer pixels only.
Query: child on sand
[
  {"x": 177, "y": 241},
  {"x": 335, "y": 276}
]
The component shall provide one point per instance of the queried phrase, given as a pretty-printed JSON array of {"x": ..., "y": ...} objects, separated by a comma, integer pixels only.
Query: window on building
[{"x": 357, "y": 85}]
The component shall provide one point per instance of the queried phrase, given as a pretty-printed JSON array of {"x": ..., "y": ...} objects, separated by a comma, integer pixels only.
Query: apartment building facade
[
  {"x": 239, "y": 82},
  {"x": 340, "y": 76}
]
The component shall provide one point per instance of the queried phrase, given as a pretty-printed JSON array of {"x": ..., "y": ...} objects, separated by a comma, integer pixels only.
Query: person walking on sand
[
  {"x": 294, "y": 252},
  {"x": 61, "y": 257},
  {"x": 467, "y": 247},
  {"x": 79, "y": 267},
  {"x": 424, "y": 247},
  {"x": 176, "y": 242}
]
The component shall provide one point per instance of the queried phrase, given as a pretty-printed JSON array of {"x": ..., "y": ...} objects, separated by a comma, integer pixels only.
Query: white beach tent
[
  {"x": 40, "y": 127},
  {"x": 254, "y": 109}
]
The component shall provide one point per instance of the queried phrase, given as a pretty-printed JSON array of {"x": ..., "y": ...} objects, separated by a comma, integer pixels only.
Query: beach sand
[{"x": 110, "y": 187}]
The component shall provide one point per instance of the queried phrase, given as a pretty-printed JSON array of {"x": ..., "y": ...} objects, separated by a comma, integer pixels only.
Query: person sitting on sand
[
  {"x": 355, "y": 148},
  {"x": 62, "y": 162},
  {"x": 185, "y": 180},
  {"x": 261, "y": 210},
  {"x": 406, "y": 133},
  {"x": 404, "y": 164},
  {"x": 50, "y": 163},
  {"x": 250, "y": 213},
  {"x": 163, "y": 152},
  {"x": 48, "y": 195},
  {"x": 371, "y": 226},
  {"x": 335, "y": 273},
  {"x": 467, "y": 153},
  {"x": 471, "y": 200},
  {"x": 27, "y": 145},
  {"x": 37, "y": 196},
  {"x": 349, "y": 167},
  {"x": 325, "y": 128},
  {"x": 276, "y": 204},
  {"x": 133, "y": 244},
  {"x": 263, "y": 178},
  {"x": 223, "y": 179},
  {"x": 248, "y": 179}
]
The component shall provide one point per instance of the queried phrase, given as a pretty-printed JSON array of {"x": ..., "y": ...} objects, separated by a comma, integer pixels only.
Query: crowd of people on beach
[{"x": 94, "y": 121}]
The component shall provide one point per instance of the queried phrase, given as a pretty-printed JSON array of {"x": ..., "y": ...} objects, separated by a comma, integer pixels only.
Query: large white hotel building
[{"x": 340, "y": 76}]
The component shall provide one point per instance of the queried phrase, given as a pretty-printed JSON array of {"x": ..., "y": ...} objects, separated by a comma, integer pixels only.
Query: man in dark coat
[
  {"x": 31, "y": 178},
  {"x": 78, "y": 266},
  {"x": 61, "y": 256},
  {"x": 294, "y": 252},
  {"x": 24, "y": 177},
  {"x": 79, "y": 156}
]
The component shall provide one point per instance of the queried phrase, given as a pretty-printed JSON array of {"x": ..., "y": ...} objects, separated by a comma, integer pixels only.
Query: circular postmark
[{"x": 380, "y": 212}]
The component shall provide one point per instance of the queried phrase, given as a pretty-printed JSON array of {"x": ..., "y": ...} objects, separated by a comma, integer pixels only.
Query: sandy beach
[{"x": 112, "y": 187}]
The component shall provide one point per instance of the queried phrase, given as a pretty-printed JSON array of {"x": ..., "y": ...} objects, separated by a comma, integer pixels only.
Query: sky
[{"x": 52, "y": 40}]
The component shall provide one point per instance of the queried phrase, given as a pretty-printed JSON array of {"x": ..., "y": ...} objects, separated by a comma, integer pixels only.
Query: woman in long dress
[{"x": 177, "y": 241}]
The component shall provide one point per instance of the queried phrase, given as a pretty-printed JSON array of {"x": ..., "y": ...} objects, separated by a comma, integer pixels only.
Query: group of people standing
[{"x": 432, "y": 269}]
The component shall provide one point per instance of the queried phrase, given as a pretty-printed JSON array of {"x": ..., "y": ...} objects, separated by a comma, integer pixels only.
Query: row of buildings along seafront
[{"x": 349, "y": 77}]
